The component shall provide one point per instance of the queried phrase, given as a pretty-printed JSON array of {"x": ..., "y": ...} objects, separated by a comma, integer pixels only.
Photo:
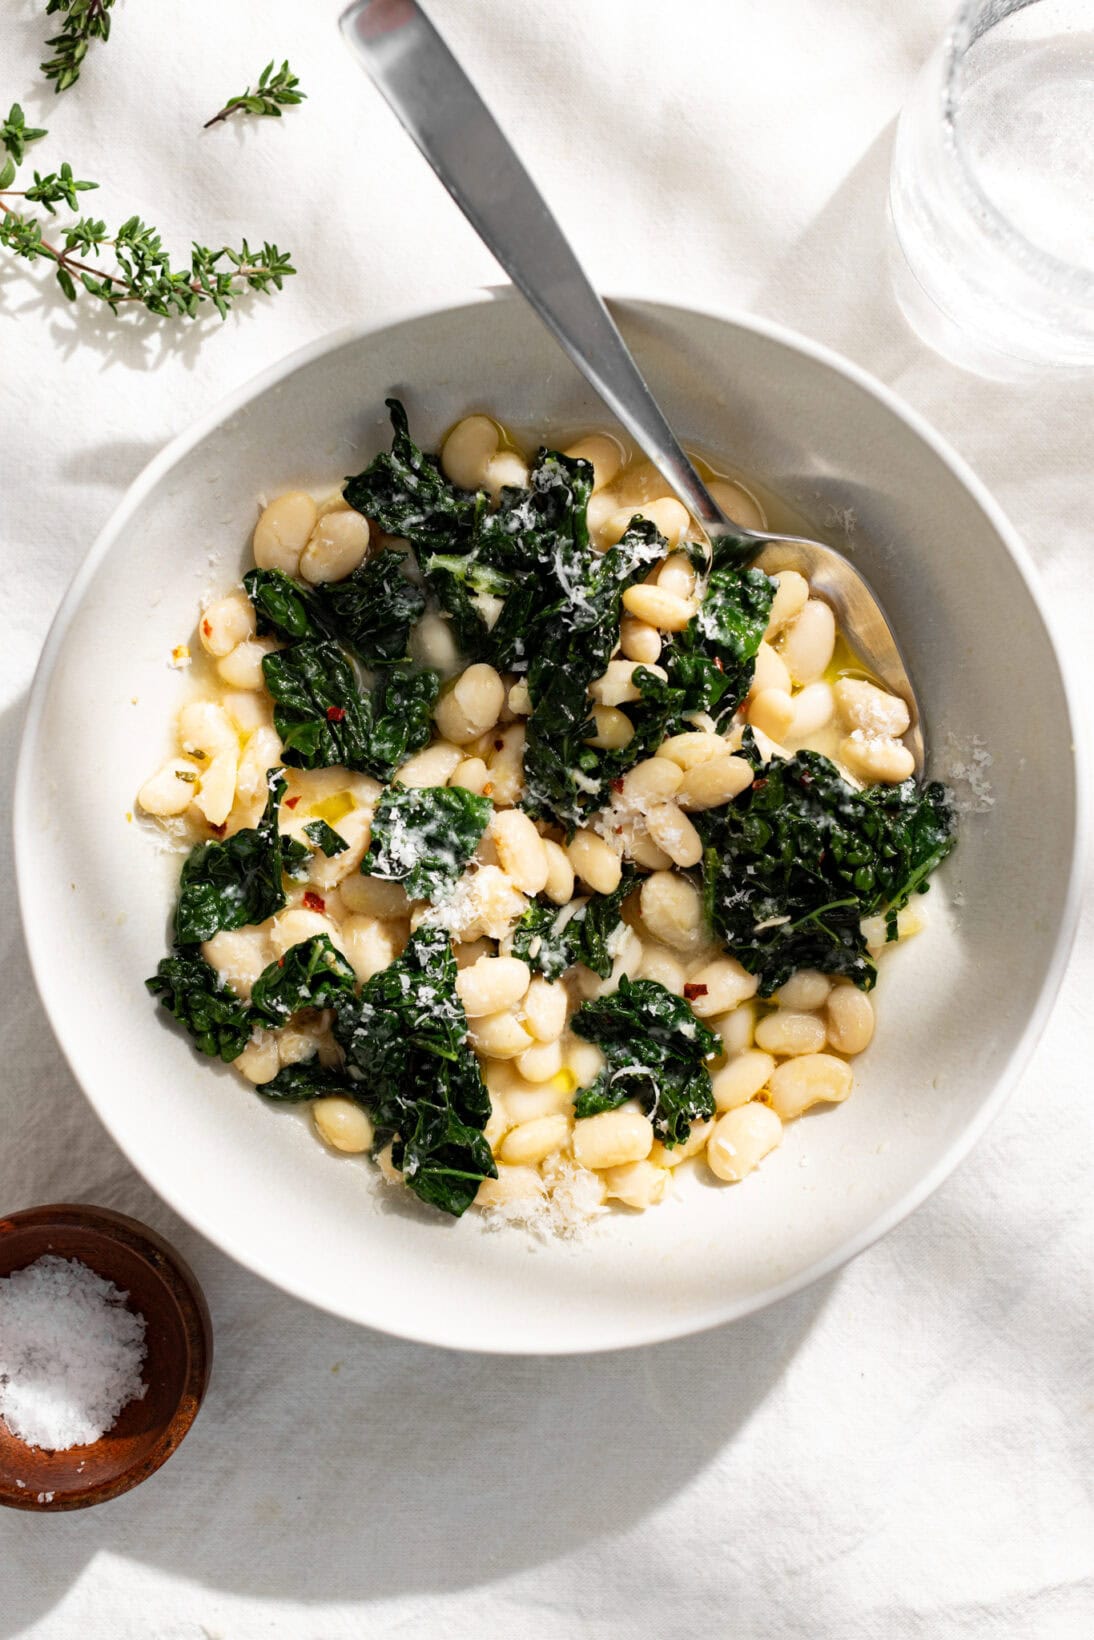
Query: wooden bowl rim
[{"x": 183, "y": 1288}]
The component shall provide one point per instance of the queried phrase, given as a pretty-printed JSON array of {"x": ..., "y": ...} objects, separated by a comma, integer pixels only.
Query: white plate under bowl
[{"x": 960, "y": 1006}]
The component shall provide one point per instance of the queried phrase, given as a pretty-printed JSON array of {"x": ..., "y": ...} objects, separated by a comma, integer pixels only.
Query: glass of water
[{"x": 992, "y": 190}]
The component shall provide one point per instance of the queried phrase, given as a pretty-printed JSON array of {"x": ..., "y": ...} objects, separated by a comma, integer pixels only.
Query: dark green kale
[
  {"x": 319, "y": 712},
  {"x": 309, "y": 975},
  {"x": 656, "y": 1051},
  {"x": 325, "y": 838},
  {"x": 307, "y": 1080},
  {"x": 373, "y": 610},
  {"x": 291, "y": 612},
  {"x": 189, "y": 988},
  {"x": 407, "y": 494},
  {"x": 423, "y": 837},
  {"x": 411, "y": 1066},
  {"x": 793, "y": 865},
  {"x": 402, "y": 704},
  {"x": 713, "y": 660},
  {"x": 551, "y": 939},
  {"x": 238, "y": 881}
]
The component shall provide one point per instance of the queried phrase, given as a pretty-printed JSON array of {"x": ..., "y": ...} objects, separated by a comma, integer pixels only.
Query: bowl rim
[
  {"x": 149, "y": 1245},
  {"x": 793, "y": 341}
]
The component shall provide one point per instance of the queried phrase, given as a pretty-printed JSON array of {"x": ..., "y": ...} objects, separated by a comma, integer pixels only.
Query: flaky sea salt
[{"x": 70, "y": 1353}]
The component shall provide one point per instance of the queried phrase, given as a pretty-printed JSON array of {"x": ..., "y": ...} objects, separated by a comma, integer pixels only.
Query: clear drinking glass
[{"x": 992, "y": 190}]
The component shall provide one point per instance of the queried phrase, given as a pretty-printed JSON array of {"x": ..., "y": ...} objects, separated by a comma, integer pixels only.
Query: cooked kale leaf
[
  {"x": 309, "y": 975},
  {"x": 793, "y": 865},
  {"x": 407, "y": 494},
  {"x": 373, "y": 609},
  {"x": 656, "y": 1051},
  {"x": 189, "y": 988},
  {"x": 711, "y": 663},
  {"x": 289, "y": 611},
  {"x": 423, "y": 837},
  {"x": 319, "y": 712},
  {"x": 237, "y": 881},
  {"x": 411, "y": 1066},
  {"x": 307, "y": 1080},
  {"x": 551, "y": 939},
  {"x": 402, "y": 706},
  {"x": 325, "y": 838}
]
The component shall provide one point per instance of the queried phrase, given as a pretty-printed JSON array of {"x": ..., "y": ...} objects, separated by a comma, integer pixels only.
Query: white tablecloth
[{"x": 904, "y": 1450}]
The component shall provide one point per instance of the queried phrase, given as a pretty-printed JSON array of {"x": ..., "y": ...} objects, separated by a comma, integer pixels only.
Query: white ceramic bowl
[{"x": 960, "y": 1006}]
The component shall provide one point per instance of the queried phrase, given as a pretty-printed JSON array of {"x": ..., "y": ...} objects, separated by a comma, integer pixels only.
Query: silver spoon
[{"x": 410, "y": 64}]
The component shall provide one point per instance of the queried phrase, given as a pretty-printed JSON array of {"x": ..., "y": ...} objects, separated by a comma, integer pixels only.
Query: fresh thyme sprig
[
  {"x": 143, "y": 272},
  {"x": 272, "y": 93},
  {"x": 85, "y": 20}
]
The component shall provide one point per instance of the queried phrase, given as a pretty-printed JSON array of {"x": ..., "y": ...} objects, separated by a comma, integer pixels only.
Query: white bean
[
  {"x": 500, "y": 1035},
  {"x": 850, "y": 1019},
  {"x": 371, "y": 945},
  {"x": 736, "y": 1029},
  {"x": 559, "y": 886},
  {"x": 507, "y": 470},
  {"x": 617, "y": 685},
  {"x": 336, "y": 547},
  {"x": 862, "y": 705},
  {"x": 433, "y": 643},
  {"x": 296, "y": 924},
  {"x": 225, "y": 623},
  {"x": 282, "y": 531},
  {"x": 471, "y": 775},
  {"x": 792, "y": 592},
  {"x": 644, "y": 851},
  {"x": 545, "y": 1008},
  {"x": 712, "y": 785},
  {"x": 491, "y": 985},
  {"x": 614, "y": 729},
  {"x": 658, "y": 608},
  {"x": 772, "y": 710},
  {"x": 260, "y": 1061},
  {"x": 770, "y": 671},
  {"x": 804, "y": 991},
  {"x": 639, "y": 641},
  {"x": 375, "y": 897},
  {"x": 742, "y": 1078},
  {"x": 583, "y": 1059},
  {"x": 693, "y": 748},
  {"x": 876, "y": 759},
  {"x": 603, "y": 453},
  {"x": 816, "y": 1078},
  {"x": 635, "y": 1184},
  {"x": 532, "y": 1142},
  {"x": 248, "y": 711},
  {"x": 663, "y": 1155},
  {"x": 787, "y": 1031},
  {"x": 432, "y": 766},
  {"x": 521, "y": 853},
  {"x": 238, "y": 955},
  {"x": 513, "y": 1184},
  {"x": 741, "y": 1139},
  {"x": 613, "y": 1138},
  {"x": 472, "y": 705},
  {"x": 342, "y": 1124},
  {"x": 670, "y": 517},
  {"x": 672, "y": 831},
  {"x": 719, "y": 986},
  {"x": 806, "y": 645},
  {"x": 598, "y": 866},
  {"x": 467, "y": 452},
  {"x": 205, "y": 727},
  {"x": 506, "y": 763},
  {"x": 814, "y": 709},
  {"x": 518, "y": 700},
  {"x": 540, "y": 1063},
  {"x": 241, "y": 667},
  {"x": 736, "y": 502},
  {"x": 672, "y": 910},
  {"x": 660, "y": 964},
  {"x": 651, "y": 781},
  {"x": 171, "y": 789},
  {"x": 531, "y": 1100},
  {"x": 677, "y": 575}
]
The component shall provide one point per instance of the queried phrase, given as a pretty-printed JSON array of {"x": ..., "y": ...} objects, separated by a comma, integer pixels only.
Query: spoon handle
[{"x": 410, "y": 64}]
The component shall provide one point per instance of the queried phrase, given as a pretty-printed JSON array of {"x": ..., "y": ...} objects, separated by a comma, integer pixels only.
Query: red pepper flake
[
  {"x": 617, "y": 783},
  {"x": 488, "y": 788},
  {"x": 335, "y": 714},
  {"x": 718, "y": 663},
  {"x": 759, "y": 785},
  {"x": 219, "y": 830},
  {"x": 281, "y": 962},
  {"x": 207, "y": 629},
  {"x": 498, "y": 745},
  {"x": 693, "y": 991},
  {"x": 291, "y": 802},
  {"x": 314, "y": 902}
]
